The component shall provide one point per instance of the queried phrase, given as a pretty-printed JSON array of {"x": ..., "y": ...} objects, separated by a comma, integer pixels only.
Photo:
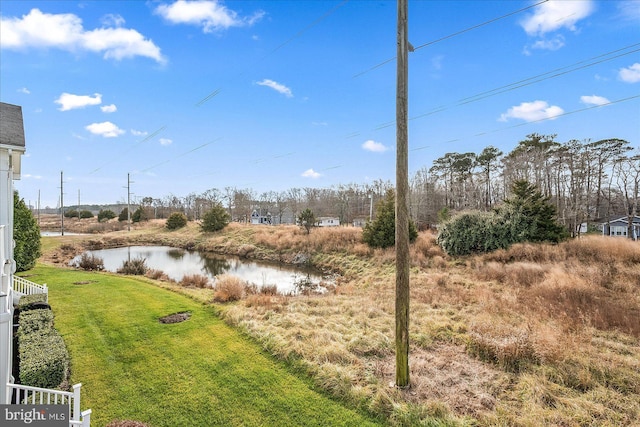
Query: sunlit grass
[{"x": 199, "y": 372}]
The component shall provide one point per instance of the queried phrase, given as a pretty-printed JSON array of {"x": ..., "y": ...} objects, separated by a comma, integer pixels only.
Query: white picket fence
[
  {"x": 25, "y": 395},
  {"x": 26, "y": 287}
]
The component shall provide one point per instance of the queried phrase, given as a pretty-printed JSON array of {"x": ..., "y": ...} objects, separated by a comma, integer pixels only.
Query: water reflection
[{"x": 178, "y": 262}]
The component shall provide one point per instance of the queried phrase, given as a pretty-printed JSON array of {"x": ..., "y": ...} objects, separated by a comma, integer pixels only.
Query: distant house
[
  {"x": 360, "y": 222},
  {"x": 619, "y": 227},
  {"x": 328, "y": 221},
  {"x": 259, "y": 217}
]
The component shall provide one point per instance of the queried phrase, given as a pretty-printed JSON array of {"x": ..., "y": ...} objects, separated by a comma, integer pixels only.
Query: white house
[
  {"x": 328, "y": 221},
  {"x": 12, "y": 146},
  {"x": 619, "y": 227}
]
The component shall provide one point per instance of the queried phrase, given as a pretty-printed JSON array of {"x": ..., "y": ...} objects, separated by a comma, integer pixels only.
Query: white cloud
[
  {"x": 376, "y": 147},
  {"x": 139, "y": 132},
  {"x": 277, "y": 87},
  {"x": 28, "y": 176},
  {"x": 65, "y": 31},
  {"x": 594, "y": 100},
  {"x": 165, "y": 141},
  {"x": 210, "y": 15},
  {"x": 24, "y": 90},
  {"x": 554, "y": 43},
  {"x": 630, "y": 74},
  {"x": 106, "y": 129},
  {"x": 112, "y": 20},
  {"x": 310, "y": 173},
  {"x": 69, "y": 101},
  {"x": 109, "y": 108},
  {"x": 532, "y": 111},
  {"x": 556, "y": 14}
]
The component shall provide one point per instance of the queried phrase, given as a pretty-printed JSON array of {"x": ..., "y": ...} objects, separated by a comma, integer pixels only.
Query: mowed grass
[{"x": 200, "y": 372}]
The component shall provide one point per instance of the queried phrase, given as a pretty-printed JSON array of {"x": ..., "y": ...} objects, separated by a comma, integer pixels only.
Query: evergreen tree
[
  {"x": 535, "y": 208},
  {"x": 307, "y": 220},
  {"x": 176, "y": 220},
  {"x": 381, "y": 232},
  {"x": 215, "y": 219},
  {"x": 26, "y": 235}
]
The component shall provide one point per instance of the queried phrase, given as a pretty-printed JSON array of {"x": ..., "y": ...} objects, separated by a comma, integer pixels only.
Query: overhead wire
[{"x": 457, "y": 33}]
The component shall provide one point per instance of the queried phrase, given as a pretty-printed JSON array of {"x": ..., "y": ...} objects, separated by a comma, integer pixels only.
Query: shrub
[
  {"x": 124, "y": 215},
  {"x": 44, "y": 360},
  {"x": 228, "y": 288},
  {"x": 140, "y": 215},
  {"x": 29, "y": 299},
  {"x": 176, "y": 220},
  {"x": 89, "y": 262},
  {"x": 26, "y": 235},
  {"x": 105, "y": 215},
  {"x": 215, "y": 219},
  {"x": 381, "y": 232},
  {"x": 136, "y": 266},
  {"x": 86, "y": 214},
  {"x": 195, "y": 280},
  {"x": 71, "y": 213}
]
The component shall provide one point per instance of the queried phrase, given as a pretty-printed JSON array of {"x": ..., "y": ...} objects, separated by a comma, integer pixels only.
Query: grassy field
[
  {"x": 200, "y": 372},
  {"x": 535, "y": 335}
]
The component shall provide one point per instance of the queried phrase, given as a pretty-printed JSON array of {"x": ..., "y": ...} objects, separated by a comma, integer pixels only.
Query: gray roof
[{"x": 11, "y": 126}]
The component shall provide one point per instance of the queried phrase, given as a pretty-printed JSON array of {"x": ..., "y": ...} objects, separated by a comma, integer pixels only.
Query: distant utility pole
[
  {"x": 61, "y": 204},
  {"x": 128, "y": 203},
  {"x": 78, "y": 204},
  {"x": 402, "y": 204},
  {"x": 38, "y": 208}
]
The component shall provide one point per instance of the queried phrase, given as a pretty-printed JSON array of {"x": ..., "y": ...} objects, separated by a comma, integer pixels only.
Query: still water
[{"x": 178, "y": 262}]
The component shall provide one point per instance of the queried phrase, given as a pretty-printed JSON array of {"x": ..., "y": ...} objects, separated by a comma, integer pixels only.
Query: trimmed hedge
[
  {"x": 44, "y": 360},
  {"x": 28, "y": 299}
]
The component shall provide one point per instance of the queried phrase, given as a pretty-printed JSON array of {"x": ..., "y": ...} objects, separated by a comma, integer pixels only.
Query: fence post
[
  {"x": 86, "y": 418},
  {"x": 76, "y": 402}
]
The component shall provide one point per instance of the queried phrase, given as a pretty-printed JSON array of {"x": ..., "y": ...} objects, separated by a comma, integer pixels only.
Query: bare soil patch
[{"x": 175, "y": 317}]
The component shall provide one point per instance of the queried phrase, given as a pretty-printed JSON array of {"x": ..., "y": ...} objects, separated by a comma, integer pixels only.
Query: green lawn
[{"x": 196, "y": 373}]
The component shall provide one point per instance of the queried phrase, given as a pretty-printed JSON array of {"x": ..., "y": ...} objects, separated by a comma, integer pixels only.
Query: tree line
[{"x": 586, "y": 181}]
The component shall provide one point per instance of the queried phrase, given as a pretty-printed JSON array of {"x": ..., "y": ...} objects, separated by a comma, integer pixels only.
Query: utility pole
[
  {"x": 38, "y": 208},
  {"x": 402, "y": 204},
  {"x": 78, "y": 204},
  {"x": 128, "y": 203},
  {"x": 61, "y": 205}
]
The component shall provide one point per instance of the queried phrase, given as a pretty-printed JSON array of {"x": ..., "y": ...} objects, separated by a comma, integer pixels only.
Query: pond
[{"x": 176, "y": 263}]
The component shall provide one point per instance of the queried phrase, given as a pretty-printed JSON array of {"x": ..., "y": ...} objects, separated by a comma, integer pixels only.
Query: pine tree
[{"x": 381, "y": 233}]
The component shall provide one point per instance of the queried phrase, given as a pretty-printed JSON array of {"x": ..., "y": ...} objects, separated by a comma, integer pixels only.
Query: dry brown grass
[
  {"x": 228, "y": 288},
  {"x": 195, "y": 281},
  {"x": 533, "y": 335}
]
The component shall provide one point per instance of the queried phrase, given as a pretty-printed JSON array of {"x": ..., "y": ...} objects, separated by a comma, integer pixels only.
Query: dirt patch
[
  {"x": 175, "y": 317},
  {"x": 449, "y": 375},
  {"x": 85, "y": 282}
]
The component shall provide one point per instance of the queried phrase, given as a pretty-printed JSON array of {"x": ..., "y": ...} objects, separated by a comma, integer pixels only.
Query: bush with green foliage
[
  {"x": 71, "y": 213},
  {"x": 29, "y": 299},
  {"x": 86, "y": 214},
  {"x": 307, "y": 220},
  {"x": 124, "y": 215},
  {"x": 44, "y": 360},
  {"x": 215, "y": 219},
  {"x": 525, "y": 217},
  {"x": 26, "y": 234},
  {"x": 105, "y": 215},
  {"x": 140, "y": 214},
  {"x": 176, "y": 220},
  {"x": 381, "y": 232}
]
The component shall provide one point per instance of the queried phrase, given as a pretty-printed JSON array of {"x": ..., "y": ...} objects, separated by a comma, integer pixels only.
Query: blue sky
[{"x": 269, "y": 95}]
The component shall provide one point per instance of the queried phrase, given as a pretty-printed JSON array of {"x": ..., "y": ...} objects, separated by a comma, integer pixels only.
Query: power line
[
  {"x": 181, "y": 155},
  {"x": 457, "y": 33},
  {"x": 129, "y": 150}
]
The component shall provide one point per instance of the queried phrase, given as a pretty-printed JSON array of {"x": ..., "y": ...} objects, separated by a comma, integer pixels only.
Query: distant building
[
  {"x": 328, "y": 221},
  {"x": 619, "y": 227},
  {"x": 259, "y": 217}
]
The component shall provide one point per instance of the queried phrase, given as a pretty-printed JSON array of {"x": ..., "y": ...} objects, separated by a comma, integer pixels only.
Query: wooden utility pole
[
  {"x": 402, "y": 203},
  {"x": 128, "y": 203},
  {"x": 61, "y": 205}
]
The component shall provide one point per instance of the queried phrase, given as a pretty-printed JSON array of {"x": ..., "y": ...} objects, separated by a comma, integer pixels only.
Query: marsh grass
[
  {"x": 228, "y": 288},
  {"x": 532, "y": 335},
  {"x": 195, "y": 281}
]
